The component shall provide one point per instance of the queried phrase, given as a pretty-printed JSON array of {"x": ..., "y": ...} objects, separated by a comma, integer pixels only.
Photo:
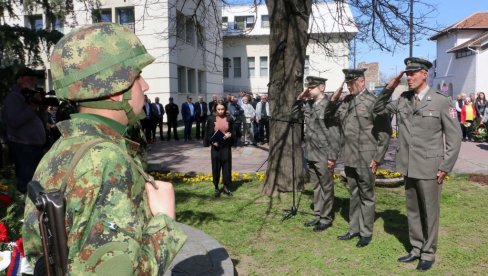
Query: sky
[{"x": 448, "y": 13}]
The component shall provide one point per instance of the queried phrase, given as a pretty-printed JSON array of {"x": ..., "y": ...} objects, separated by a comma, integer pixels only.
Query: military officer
[
  {"x": 321, "y": 149},
  {"x": 428, "y": 146},
  {"x": 366, "y": 139}
]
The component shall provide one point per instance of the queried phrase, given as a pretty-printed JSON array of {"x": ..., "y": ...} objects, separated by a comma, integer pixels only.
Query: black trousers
[
  {"x": 172, "y": 125},
  {"x": 201, "y": 123},
  {"x": 264, "y": 127},
  {"x": 221, "y": 161}
]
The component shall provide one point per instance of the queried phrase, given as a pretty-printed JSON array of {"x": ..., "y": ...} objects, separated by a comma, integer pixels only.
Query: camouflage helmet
[{"x": 96, "y": 61}]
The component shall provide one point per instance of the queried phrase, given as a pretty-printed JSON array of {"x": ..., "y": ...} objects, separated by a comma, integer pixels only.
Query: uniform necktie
[{"x": 417, "y": 100}]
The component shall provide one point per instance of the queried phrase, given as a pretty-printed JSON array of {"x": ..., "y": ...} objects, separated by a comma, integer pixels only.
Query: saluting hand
[
  {"x": 441, "y": 175},
  {"x": 394, "y": 82},
  {"x": 305, "y": 94},
  {"x": 338, "y": 92}
]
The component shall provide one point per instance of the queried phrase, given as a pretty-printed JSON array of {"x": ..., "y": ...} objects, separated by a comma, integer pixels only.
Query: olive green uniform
[
  {"x": 429, "y": 139},
  {"x": 366, "y": 138},
  {"x": 321, "y": 144}
]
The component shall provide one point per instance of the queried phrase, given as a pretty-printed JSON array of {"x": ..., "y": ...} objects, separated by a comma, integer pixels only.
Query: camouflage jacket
[{"x": 110, "y": 228}]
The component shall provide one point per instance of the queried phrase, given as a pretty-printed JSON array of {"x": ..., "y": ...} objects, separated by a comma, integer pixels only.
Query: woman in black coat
[{"x": 220, "y": 152}]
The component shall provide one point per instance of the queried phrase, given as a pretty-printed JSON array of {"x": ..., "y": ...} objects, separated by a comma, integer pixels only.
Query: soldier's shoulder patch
[{"x": 452, "y": 113}]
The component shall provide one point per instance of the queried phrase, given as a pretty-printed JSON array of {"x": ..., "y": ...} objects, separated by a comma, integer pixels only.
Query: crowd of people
[
  {"x": 250, "y": 118},
  {"x": 472, "y": 113}
]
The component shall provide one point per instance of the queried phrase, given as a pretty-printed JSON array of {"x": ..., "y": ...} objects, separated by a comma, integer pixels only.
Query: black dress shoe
[
  {"x": 226, "y": 192},
  {"x": 321, "y": 227},
  {"x": 408, "y": 259},
  {"x": 348, "y": 236},
  {"x": 363, "y": 241},
  {"x": 311, "y": 223},
  {"x": 217, "y": 193},
  {"x": 424, "y": 265}
]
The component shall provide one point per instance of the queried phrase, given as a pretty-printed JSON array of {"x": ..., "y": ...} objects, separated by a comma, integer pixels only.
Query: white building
[
  {"x": 246, "y": 45},
  {"x": 462, "y": 56},
  {"x": 188, "y": 53}
]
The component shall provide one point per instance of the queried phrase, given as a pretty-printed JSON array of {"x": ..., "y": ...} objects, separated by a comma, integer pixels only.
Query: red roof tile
[{"x": 477, "y": 21}]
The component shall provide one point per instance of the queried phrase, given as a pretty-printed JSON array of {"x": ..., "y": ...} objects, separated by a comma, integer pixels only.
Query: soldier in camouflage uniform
[
  {"x": 366, "y": 139},
  {"x": 321, "y": 150},
  {"x": 117, "y": 223}
]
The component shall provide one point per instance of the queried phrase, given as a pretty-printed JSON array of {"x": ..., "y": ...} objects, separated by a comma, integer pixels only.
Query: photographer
[{"x": 25, "y": 130}]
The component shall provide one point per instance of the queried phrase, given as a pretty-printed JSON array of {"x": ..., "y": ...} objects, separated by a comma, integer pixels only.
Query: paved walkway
[{"x": 202, "y": 255}]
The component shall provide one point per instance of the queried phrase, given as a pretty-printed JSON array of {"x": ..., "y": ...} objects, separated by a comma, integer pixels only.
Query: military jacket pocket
[{"x": 430, "y": 119}]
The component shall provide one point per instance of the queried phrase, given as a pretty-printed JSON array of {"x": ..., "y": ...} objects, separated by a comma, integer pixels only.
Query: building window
[
  {"x": 265, "y": 21},
  {"x": 34, "y": 22},
  {"x": 244, "y": 22},
  {"x": 226, "y": 67},
  {"x": 237, "y": 67},
  {"x": 125, "y": 17},
  {"x": 180, "y": 25},
  {"x": 263, "y": 66},
  {"x": 200, "y": 36},
  {"x": 190, "y": 31},
  {"x": 181, "y": 79},
  {"x": 104, "y": 15},
  {"x": 191, "y": 81},
  {"x": 56, "y": 25},
  {"x": 225, "y": 23},
  {"x": 251, "y": 67},
  {"x": 201, "y": 82},
  {"x": 464, "y": 53},
  {"x": 306, "y": 66}
]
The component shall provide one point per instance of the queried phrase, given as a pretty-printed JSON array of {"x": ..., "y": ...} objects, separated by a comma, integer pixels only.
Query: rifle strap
[
  {"x": 76, "y": 158},
  {"x": 84, "y": 148}
]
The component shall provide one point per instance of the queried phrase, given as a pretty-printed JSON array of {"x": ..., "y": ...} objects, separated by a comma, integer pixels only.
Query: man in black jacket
[{"x": 172, "y": 112}]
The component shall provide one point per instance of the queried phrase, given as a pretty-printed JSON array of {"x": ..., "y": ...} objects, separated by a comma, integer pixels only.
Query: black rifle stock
[{"x": 51, "y": 205}]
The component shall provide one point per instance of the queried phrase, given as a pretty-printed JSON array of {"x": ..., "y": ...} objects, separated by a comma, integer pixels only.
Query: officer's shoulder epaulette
[{"x": 440, "y": 93}]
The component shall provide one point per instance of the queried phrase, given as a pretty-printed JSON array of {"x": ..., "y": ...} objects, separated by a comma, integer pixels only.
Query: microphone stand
[{"x": 293, "y": 210}]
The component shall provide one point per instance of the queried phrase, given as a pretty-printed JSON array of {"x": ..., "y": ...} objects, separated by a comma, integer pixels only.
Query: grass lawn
[{"x": 249, "y": 226}]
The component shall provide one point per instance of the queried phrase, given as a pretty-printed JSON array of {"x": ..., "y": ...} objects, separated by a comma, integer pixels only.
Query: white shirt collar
[{"x": 422, "y": 93}]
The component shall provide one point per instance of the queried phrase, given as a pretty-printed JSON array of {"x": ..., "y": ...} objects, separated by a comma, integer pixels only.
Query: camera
[{"x": 32, "y": 96}]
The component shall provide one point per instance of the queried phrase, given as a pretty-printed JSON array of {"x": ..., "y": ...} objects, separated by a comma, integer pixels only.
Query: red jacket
[{"x": 463, "y": 113}]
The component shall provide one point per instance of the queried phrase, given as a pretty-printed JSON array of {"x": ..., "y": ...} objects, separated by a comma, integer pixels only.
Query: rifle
[{"x": 51, "y": 205}]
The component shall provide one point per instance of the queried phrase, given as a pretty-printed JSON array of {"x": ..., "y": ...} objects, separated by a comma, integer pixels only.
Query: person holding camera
[{"x": 26, "y": 134}]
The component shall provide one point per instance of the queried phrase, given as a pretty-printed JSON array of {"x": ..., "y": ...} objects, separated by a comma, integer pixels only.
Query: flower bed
[{"x": 196, "y": 177}]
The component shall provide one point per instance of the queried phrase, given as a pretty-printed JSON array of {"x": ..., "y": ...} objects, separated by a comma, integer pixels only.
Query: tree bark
[{"x": 288, "y": 42}]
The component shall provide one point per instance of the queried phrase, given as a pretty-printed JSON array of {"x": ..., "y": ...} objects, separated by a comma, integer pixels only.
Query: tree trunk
[{"x": 287, "y": 47}]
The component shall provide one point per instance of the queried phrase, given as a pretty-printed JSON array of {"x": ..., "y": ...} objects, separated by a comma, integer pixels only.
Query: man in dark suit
[
  {"x": 172, "y": 112},
  {"x": 188, "y": 114},
  {"x": 212, "y": 104},
  {"x": 201, "y": 111},
  {"x": 149, "y": 122},
  {"x": 429, "y": 140},
  {"x": 159, "y": 112}
]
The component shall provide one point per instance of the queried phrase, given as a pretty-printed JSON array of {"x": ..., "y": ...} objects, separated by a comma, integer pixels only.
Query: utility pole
[{"x": 411, "y": 29}]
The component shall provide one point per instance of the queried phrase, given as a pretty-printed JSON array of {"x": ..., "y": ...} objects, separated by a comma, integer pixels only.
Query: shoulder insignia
[{"x": 452, "y": 113}]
